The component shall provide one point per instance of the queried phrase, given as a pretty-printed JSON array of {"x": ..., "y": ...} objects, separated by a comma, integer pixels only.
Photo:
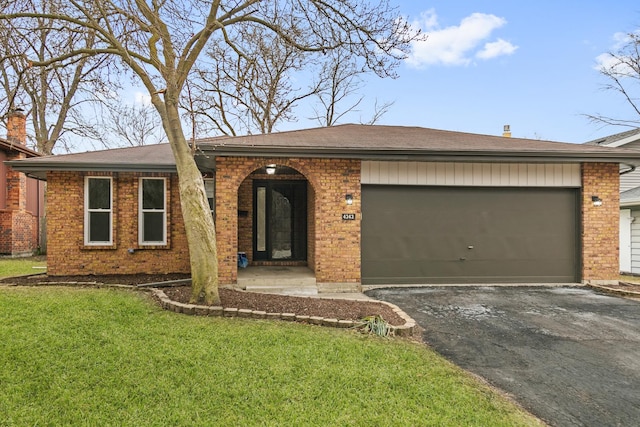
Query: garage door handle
[{"x": 463, "y": 258}]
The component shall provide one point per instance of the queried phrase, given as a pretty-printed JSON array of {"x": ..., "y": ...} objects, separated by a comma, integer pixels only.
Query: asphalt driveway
[{"x": 571, "y": 356}]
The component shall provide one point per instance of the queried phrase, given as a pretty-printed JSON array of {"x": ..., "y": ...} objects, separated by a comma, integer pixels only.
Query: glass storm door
[{"x": 280, "y": 220}]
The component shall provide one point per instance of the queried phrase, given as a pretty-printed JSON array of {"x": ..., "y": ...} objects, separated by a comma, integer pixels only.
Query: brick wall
[
  {"x": 67, "y": 254},
  {"x": 600, "y": 224},
  {"x": 18, "y": 226},
  {"x": 333, "y": 244}
]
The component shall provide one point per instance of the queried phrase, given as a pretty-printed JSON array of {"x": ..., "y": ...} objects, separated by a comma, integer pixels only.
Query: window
[
  {"x": 98, "y": 214},
  {"x": 210, "y": 187},
  {"x": 153, "y": 213}
]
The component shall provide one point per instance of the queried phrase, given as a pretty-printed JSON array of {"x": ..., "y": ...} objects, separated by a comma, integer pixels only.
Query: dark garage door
[{"x": 413, "y": 235}]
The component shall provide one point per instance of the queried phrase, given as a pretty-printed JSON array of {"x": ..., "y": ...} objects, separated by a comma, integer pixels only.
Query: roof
[
  {"x": 12, "y": 146},
  {"x": 618, "y": 139},
  {"x": 148, "y": 158},
  {"x": 372, "y": 142},
  {"x": 630, "y": 197}
]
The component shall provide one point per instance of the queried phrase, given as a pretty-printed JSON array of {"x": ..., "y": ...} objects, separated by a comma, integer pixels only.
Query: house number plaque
[{"x": 348, "y": 217}]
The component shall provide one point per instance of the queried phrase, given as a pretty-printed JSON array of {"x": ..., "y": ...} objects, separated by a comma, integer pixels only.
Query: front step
[
  {"x": 285, "y": 290},
  {"x": 278, "y": 280}
]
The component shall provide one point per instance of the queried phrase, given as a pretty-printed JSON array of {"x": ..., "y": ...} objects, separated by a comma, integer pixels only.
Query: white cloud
[
  {"x": 495, "y": 49},
  {"x": 457, "y": 45},
  {"x": 618, "y": 62}
]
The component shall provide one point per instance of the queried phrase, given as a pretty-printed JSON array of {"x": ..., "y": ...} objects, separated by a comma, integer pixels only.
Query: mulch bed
[{"x": 305, "y": 306}]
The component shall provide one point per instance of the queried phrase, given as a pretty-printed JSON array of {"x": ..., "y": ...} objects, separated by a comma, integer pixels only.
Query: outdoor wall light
[
  {"x": 271, "y": 169},
  {"x": 349, "y": 199},
  {"x": 597, "y": 201}
]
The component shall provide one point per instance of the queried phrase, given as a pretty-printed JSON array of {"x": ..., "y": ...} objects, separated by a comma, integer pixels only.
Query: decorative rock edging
[
  {"x": 614, "y": 291},
  {"x": 405, "y": 330}
]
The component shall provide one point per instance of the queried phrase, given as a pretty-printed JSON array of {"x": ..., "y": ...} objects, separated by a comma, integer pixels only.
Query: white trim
[
  {"x": 87, "y": 211},
  {"x": 141, "y": 212},
  {"x": 566, "y": 175}
]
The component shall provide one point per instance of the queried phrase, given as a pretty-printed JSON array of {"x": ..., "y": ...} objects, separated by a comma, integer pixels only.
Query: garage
[{"x": 415, "y": 234}]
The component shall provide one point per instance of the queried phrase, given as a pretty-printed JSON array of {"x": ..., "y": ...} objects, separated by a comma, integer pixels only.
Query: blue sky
[
  {"x": 527, "y": 64},
  {"x": 485, "y": 64}
]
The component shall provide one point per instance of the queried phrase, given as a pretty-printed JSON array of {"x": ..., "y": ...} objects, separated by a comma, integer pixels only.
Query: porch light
[
  {"x": 349, "y": 199},
  {"x": 597, "y": 201},
  {"x": 271, "y": 169}
]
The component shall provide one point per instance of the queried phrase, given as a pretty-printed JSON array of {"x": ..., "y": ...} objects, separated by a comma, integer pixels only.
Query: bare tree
[
  {"x": 52, "y": 95},
  {"x": 161, "y": 41},
  {"x": 252, "y": 86},
  {"x": 621, "y": 68},
  {"x": 131, "y": 124},
  {"x": 341, "y": 81}
]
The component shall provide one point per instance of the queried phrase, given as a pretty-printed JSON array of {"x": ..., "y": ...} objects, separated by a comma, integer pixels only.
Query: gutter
[
  {"x": 631, "y": 169},
  {"x": 420, "y": 155}
]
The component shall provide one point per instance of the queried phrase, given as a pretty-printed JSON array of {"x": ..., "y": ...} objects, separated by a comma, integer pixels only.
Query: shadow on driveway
[{"x": 569, "y": 355}]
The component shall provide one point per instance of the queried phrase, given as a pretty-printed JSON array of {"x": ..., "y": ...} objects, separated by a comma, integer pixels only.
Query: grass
[
  {"x": 21, "y": 266},
  {"x": 111, "y": 357}
]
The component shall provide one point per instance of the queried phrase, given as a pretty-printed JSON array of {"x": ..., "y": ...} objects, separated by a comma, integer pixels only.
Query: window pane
[
  {"x": 261, "y": 240},
  {"x": 99, "y": 226},
  {"x": 153, "y": 194},
  {"x": 153, "y": 230},
  {"x": 99, "y": 193}
]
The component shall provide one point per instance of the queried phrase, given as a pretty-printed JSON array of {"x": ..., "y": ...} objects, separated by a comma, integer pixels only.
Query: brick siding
[
  {"x": 600, "y": 224},
  {"x": 18, "y": 226},
  {"x": 333, "y": 250},
  {"x": 67, "y": 253}
]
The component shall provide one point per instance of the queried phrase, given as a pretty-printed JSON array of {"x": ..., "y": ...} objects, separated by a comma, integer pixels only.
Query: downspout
[{"x": 631, "y": 169}]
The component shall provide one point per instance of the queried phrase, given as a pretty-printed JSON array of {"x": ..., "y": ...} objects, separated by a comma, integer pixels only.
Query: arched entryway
[
  {"x": 275, "y": 207},
  {"x": 332, "y": 243}
]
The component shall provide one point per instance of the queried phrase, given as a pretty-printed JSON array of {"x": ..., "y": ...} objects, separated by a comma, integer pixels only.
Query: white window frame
[
  {"x": 142, "y": 211},
  {"x": 88, "y": 211},
  {"x": 211, "y": 182}
]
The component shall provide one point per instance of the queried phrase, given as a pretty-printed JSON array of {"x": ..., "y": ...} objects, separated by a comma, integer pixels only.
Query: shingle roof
[
  {"x": 608, "y": 140},
  {"x": 630, "y": 196},
  {"x": 344, "y": 141},
  {"x": 367, "y": 137}
]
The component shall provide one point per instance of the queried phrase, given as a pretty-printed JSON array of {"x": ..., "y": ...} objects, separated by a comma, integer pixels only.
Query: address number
[{"x": 348, "y": 216}]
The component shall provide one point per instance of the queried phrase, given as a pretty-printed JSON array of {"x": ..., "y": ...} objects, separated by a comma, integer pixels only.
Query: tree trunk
[{"x": 199, "y": 225}]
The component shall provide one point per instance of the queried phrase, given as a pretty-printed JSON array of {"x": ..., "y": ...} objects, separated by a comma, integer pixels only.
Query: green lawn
[
  {"x": 21, "y": 266},
  {"x": 111, "y": 357}
]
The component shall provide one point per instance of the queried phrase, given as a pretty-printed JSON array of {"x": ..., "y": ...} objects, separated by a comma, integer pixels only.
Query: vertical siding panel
[
  {"x": 384, "y": 172},
  {"x": 365, "y": 173},
  {"x": 393, "y": 175},
  {"x": 402, "y": 173},
  {"x": 458, "y": 174},
  {"x": 523, "y": 177},
  {"x": 450, "y": 174},
  {"x": 471, "y": 174},
  {"x": 424, "y": 170}
]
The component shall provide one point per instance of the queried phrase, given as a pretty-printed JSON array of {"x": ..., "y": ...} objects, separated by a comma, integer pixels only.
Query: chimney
[
  {"x": 507, "y": 131},
  {"x": 17, "y": 127}
]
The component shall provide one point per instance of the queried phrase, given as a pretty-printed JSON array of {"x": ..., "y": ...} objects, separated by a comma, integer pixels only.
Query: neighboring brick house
[
  {"x": 356, "y": 204},
  {"x": 21, "y": 197}
]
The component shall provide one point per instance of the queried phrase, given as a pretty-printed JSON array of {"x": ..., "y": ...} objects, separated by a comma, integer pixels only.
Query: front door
[{"x": 280, "y": 220}]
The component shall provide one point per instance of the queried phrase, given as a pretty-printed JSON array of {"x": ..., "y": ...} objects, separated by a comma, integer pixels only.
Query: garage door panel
[{"x": 468, "y": 235}]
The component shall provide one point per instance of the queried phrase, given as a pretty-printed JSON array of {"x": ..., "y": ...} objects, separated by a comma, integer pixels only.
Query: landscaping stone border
[
  {"x": 406, "y": 330},
  {"x": 167, "y": 303}
]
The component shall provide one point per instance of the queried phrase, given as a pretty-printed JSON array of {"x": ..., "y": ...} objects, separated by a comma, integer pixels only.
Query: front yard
[
  {"x": 20, "y": 266},
  {"x": 112, "y": 357}
]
